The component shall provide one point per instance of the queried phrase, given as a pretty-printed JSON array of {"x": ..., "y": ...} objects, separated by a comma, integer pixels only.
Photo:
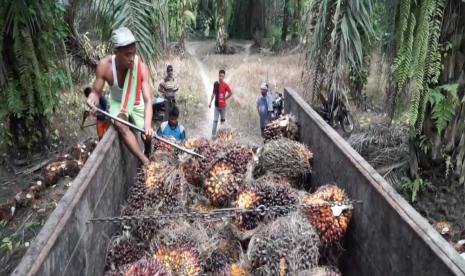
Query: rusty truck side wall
[
  {"x": 386, "y": 235},
  {"x": 67, "y": 245}
]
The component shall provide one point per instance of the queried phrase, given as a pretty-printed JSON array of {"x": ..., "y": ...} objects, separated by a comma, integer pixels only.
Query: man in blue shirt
[
  {"x": 262, "y": 107},
  {"x": 172, "y": 127}
]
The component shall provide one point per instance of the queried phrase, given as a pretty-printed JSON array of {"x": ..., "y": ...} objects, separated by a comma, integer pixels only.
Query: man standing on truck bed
[
  {"x": 221, "y": 93},
  {"x": 168, "y": 89},
  {"x": 130, "y": 90}
]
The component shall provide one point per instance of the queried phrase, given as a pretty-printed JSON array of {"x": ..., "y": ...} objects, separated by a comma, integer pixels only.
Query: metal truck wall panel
[
  {"x": 386, "y": 235},
  {"x": 67, "y": 245}
]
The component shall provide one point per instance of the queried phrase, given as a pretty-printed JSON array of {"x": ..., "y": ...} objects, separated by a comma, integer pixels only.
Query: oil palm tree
[
  {"x": 337, "y": 31},
  {"x": 142, "y": 17},
  {"x": 223, "y": 9},
  {"x": 31, "y": 41}
]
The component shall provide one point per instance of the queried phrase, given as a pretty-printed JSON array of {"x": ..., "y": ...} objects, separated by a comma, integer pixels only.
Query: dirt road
[{"x": 240, "y": 104}]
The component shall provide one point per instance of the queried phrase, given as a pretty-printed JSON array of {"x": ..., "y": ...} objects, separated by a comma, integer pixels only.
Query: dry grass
[{"x": 245, "y": 73}]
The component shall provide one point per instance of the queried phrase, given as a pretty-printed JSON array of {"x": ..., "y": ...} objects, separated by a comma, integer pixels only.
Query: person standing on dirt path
[
  {"x": 130, "y": 91},
  {"x": 262, "y": 107},
  {"x": 102, "y": 123},
  {"x": 168, "y": 89},
  {"x": 221, "y": 93}
]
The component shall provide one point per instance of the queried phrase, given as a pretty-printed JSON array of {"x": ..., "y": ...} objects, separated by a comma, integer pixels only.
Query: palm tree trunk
[
  {"x": 285, "y": 28},
  {"x": 163, "y": 21},
  {"x": 74, "y": 45},
  {"x": 296, "y": 22},
  {"x": 221, "y": 27},
  {"x": 451, "y": 142}
]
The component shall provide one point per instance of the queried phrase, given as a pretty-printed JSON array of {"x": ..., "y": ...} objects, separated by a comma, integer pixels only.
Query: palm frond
[
  {"x": 402, "y": 22},
  {"x": 339, "y": 30},
  {"x": 433, "y": 59},
  {"x": 403, "y": 60},
  {"x": 190, "y": 17},
  {"x": 140, "y": 16},
  {"x": 443, "y": 104}
]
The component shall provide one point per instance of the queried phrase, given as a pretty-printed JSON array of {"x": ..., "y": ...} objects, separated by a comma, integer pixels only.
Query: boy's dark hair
[
  {"x": 87, "y": 91},
  {"x": 174, "y": 112},
  {"x": 222, "y": 72},
  {"x": 169, "y": 68}
]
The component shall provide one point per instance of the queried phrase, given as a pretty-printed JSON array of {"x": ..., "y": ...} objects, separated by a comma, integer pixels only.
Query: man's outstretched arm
[
  {"x": 97, "y": 87},
  {"x": 147, "y": 94}
]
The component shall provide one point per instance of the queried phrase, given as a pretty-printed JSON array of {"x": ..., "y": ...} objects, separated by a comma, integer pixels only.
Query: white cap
[
  {"x": 122, "y": 37},
  {"x": 264, "y": 86}
]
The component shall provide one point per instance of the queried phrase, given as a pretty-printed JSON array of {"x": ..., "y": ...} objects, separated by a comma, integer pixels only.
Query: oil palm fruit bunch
[
  {"x": 195, "y": 143},
  {"x": 146, "y": 230},
  {"x": 323, "y": 271},
  {"x": 163, "y": 174},
  {"x": 190, "y": 166},
  {"x": 238, "y": 270},
  {"x": 158, "y": 146},
  {"x": 149, "y": 187},
  {"x": 286, "y": 246},
  {"x": 284, "y": 157},
  {"x": 238, "y": 155},
  {"x": 216, "y": 264},
  {"x": 274, "y": 180},
  {"x": 81, "y": 151},
  {"x": 262, "y": 194},
  {"x": 178, "y": 260},
  {"x": 137, "y": 198},
  {"x": 196, "y": 236},
  {"x": 202, "y": 207},
  {"x": 224, "y": 135},
  {"x": 152, "y": 174},
  {"x": 221, "y": 182},
  {"x": 284, "y": 127},
  {"x": 210, "y": 151},
  {"x": 123, "y": 251},
  {"x": 144, "y": 267},
  {"x": 330, "y": 227},
  {"x": 225, "y": 252},
  {"x": 194, "y": 169},
  {"x": 56, "y": 170}
]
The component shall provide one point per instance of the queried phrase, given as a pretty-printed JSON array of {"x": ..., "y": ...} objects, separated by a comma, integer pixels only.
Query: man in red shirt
[{"x": 221, "y": 93}]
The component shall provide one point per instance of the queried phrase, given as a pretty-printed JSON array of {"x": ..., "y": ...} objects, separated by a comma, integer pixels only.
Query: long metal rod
[{"x": 126, "y": 123}]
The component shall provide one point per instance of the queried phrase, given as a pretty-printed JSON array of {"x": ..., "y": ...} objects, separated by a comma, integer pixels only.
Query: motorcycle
[
  {"x": 158, "y": 107},
  {"x": 336, "y": 111},
  {"x": 278, "y": 106}
]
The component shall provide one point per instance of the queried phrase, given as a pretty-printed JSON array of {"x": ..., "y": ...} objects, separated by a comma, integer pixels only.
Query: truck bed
[{"x": 386, "y": 235}]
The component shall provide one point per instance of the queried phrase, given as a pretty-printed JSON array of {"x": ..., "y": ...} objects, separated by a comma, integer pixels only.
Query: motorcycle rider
[
  {"x": 278, "y": 105},
  {"x": 332, "y": 104},
  {"x": 168, "y": 89},
  {"x": 270, "y": 100}
]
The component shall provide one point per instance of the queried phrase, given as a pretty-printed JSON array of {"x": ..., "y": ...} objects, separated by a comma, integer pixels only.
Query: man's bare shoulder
[
  {"x": 145, "y": 70},
  {"x": 144, "y": 66},
  {"x": 104, "y": 70},
  {"x": 104, "y": 62}
]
